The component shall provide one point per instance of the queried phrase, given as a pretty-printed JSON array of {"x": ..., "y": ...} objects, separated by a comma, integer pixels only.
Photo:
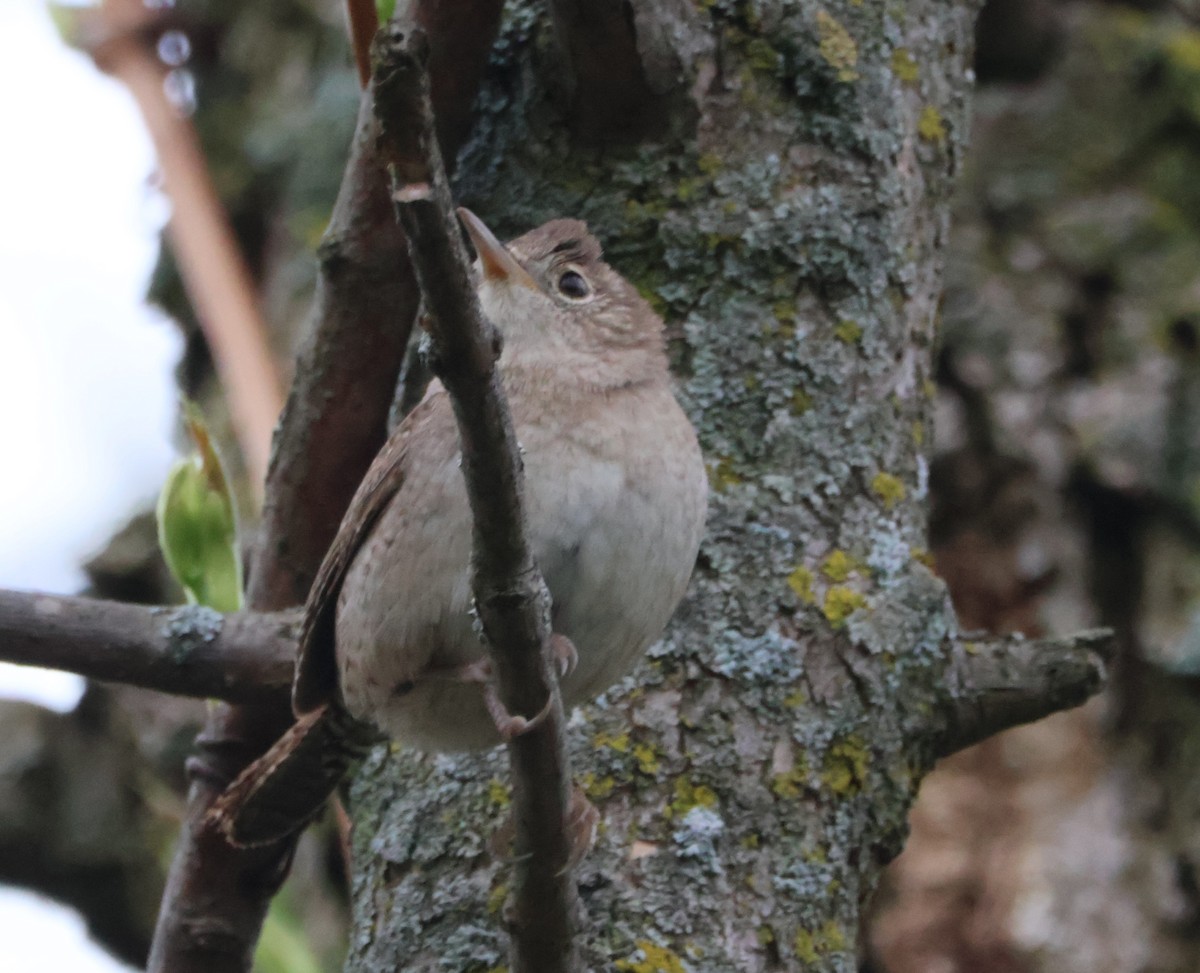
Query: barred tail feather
[{"x": 282, "y": 791}]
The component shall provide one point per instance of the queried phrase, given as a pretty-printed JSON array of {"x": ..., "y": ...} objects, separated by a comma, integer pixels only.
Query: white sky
[{"x": 87, "y": 398}]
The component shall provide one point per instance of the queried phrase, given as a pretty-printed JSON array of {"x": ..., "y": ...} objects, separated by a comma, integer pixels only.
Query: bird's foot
[
  {"x": 564, "y": 653},
  {"x": 582, "y": 820},
  {"x": 580, "y": 825},
  {"x": 507, "y": 725}
]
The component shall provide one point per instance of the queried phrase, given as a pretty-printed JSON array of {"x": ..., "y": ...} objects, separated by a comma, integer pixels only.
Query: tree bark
[{"x": 788, "y": 218}]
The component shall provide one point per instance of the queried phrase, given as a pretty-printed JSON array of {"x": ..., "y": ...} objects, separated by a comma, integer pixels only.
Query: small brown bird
[{"x": 615, "y": 489}]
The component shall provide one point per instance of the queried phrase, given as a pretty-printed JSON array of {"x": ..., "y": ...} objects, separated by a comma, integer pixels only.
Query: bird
[{"x": 616, "y": 498}]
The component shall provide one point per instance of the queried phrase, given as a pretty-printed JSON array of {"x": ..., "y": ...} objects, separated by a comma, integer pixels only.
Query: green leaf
[
  {"x": 385, "y": 9},
  {"x": 197, "y": 525},
  {"x": 283, "y": 946}
]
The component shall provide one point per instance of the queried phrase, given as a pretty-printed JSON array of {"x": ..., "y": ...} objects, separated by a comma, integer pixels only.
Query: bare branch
[
  {"x": 219, "y": 284},
  {"x": 510, "y": 594},
  {"x": 334, "y": 423},
  {"x": 187, "y": 651},
  {"x": 997, "y": 683},
  {"x": 364, "y": 21}
]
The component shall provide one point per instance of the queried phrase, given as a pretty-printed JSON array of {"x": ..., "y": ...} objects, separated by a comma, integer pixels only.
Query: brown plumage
[{"x": 615, "y": 491}]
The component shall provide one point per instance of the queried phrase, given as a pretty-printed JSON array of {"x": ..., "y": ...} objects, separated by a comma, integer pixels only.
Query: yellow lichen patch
[
  {"x": 1183, "y": 50},
  {"x": 597, "y": 788},
  {"x": 496, "y": 897},
  {"x": 837, "y": 46},
  {"x": 904, "y": 65},
  {"x": 801, "y": 582},
  {"x": 647, "y": 759},
  {"x": 841, "y": 603},
  {"x": 801, "y": 401},
  {"x": 811, "y": 945},
  {"x": 688, "y": 796},
  {"x": 889, "y": 489},
  {"x": 763, "y": 57},
  {"x": 790, "y": 784},
  {"x": 848, "y": 331},
  {"x": 722, "y": 476},
  {"x": 709, "y": 163},
  {"x": 656, "y": 959},
  {"x": 845, "y": 767},
  {"x": 499, "y": 793},
  {"x": 838, "y": 565},
  {"x": 923, "y": 556},
  {"x": 765, "y": 935},
  {"x": 795, "y": 699},
  {"x": 784, "y": 311},
  {"x": 614, "y": 741},
  {"x": 751, "y": 840},
  {"x": 930, "y": 126},
  {"x": 918, "y": 433}
]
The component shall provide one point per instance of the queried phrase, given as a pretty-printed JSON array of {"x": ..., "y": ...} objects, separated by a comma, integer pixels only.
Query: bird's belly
[{"x": 616, "y": 542}]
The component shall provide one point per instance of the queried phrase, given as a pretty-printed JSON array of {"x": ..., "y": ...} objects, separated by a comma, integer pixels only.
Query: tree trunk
[{"x": 785, "y": 205}]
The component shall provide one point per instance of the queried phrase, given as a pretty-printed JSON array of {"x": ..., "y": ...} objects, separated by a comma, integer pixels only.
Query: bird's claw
[{"x": 563, "y": 651}]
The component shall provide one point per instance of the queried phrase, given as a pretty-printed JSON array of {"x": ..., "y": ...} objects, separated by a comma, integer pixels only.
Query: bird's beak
[{"x": 498, "y": 264}]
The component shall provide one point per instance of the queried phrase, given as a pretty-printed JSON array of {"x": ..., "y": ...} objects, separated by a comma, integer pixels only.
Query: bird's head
[{"x": 550, "y": 291}]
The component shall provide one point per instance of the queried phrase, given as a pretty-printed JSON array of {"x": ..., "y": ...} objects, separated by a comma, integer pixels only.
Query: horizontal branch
[
  {"x": 994, "y": 684},
  {"x": 186, "y": 650}
]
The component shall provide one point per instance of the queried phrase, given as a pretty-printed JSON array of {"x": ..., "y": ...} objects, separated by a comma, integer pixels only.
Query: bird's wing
[{"x": 316, "y": 679}]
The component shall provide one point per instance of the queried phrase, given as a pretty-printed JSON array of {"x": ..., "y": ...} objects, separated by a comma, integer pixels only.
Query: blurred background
[{"x": 1065, "y": 470}]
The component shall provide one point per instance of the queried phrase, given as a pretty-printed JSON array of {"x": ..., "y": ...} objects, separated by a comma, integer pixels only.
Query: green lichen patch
[
  {"x": 890, "y": 489},
  {"x": 904, "y": 65},
  {"x": 931, "y": 126},
  {"x": 653, "y": 959},
  {"x": 801, "y": 402},
  {"x": 838, "y": 565},
  {"x": 812, "y": 945},
  {"x": 844, "y": 770},
  {"x": 801, "y": 583},
  {"x": 837, "y": 46},
  {"x": 840, "y": 603},
  {"x": 688, "y": 795},
  {"x": 848, "y": 331}
]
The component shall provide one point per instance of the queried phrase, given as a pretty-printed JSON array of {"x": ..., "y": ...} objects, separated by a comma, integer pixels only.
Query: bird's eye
[{"x": 572, "y": 285}]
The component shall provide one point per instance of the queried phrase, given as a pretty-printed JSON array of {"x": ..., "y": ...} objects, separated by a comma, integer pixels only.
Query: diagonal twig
[
  {"x": 510, "y": 594},
  {"x": 184, "y": 650},
  {"x": 334, "y": 422},
  {"x": 218, "y": 282}
]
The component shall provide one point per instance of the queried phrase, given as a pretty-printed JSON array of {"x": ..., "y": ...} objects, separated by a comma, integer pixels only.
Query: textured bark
[
  {"x": 1064, "y": 491},
  {"x": 754, "y": 775}
]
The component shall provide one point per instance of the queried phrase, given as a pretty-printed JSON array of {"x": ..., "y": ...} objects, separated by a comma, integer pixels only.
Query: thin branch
[
  {"x": 334, "y": 423},
  {"x": 219, "y": 284},
  {"x": 510, "y": 594},
  {"x": 997, "y": 683},
  {"x": 187, "y": 651},
  {"x": 364, "y": 21}
]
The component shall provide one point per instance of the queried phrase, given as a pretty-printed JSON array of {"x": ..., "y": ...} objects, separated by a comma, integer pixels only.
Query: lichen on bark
[{"x": 755, "y": 771}]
